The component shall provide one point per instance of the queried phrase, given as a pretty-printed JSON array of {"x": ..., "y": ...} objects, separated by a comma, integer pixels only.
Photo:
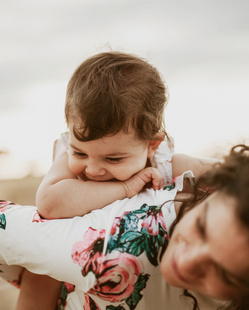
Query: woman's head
[
  {"x": 209, "y": 247},
  {"x": 209, "y": 250},
  {"x": 232, "y": 178},
  {"x": 112, "y": 92}
]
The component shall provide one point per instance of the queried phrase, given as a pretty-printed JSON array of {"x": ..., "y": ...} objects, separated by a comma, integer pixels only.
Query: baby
[
  {"x": 114, "y": 110},
  {"x": 116, "y": 145}
]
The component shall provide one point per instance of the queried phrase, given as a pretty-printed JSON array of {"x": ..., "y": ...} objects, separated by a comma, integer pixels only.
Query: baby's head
[{"x": 113, "y": 92}]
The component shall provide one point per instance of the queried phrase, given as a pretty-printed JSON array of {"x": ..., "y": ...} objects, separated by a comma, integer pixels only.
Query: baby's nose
[{"x": 94, "y": 169}]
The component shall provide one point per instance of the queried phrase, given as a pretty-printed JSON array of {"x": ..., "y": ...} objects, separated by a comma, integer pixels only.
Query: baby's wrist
[{"x": 125, "y": 190}]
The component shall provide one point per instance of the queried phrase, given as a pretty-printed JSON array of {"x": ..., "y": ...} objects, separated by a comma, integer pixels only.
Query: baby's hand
[{"x": 138, "y": 181}]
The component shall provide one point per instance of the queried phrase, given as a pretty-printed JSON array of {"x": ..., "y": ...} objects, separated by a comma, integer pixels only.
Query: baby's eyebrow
[
  {"x": 118, "y": 154},
  {"x": 115, "y": 154},
  {"x": 74, "y": 147}
]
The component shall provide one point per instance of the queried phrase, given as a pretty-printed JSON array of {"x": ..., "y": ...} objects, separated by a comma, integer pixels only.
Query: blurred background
[{"x": 200, "y": 47}]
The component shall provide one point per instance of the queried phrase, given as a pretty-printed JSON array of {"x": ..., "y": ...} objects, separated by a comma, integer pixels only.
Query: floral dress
[{"x": 108, "y": 259}]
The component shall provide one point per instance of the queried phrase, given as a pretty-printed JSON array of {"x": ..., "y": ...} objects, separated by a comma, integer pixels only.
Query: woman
[
  {"x": 112, "y": 256},
  {"x": 209, "y": 250}
]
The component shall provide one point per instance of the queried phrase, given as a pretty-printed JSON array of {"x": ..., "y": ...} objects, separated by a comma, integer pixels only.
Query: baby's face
[{"x": 116, "y": 157}]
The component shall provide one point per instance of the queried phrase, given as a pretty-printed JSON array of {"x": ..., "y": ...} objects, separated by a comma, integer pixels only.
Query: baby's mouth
[{"x": 96, "y": 179}]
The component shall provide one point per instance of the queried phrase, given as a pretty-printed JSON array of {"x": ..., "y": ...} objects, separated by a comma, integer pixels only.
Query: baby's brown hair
[{"x": 114, "y": 91}]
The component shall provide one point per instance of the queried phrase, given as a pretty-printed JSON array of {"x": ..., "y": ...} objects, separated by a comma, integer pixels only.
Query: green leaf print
[
  {"x": 115, "y": 308},
  {"x": 141, "y": 282},
  {"x": 2, "y": 221},
  {"x": 136, "y": 296},
  {"x": 127, "y": 224},
  {"x": 152, "y": 248},
  {"x": 132, "y": 242},
  {"x": 143, "y": 209},
  {"x": 130, "y": 237}
]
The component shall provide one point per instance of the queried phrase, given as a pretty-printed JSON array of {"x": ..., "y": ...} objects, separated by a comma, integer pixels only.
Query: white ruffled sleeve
[{"x": 163, "y": 160}]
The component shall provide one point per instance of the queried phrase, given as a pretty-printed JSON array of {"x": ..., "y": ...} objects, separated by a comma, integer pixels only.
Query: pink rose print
[
  {"x": 17, "y": 282},
  {"x": 152, "y": 220},
  {"x": 4, "y": 205},
  {"x": 86, "y": 253},
  {"x": 116, "y": 276},
  {"x": 37, "y": 218},
  {"x": 66, "y": 289},
  {"x": 116, "y": 223},
  {"x": 3, "y": 209},
  {"x": 119, "y": 272},
  {"x": 90, "y": 304},
  {"x": 70, "y": 287}
]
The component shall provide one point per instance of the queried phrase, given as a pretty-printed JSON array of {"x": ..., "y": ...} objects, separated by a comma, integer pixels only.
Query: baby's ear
[{"x": 154, "y": 144}]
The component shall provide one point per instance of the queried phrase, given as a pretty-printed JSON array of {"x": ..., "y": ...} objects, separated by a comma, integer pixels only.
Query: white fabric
[
  {"x": 48, "y": 247},
  {"x": 56, "y": 247},
  {"x": 45, "y": 247}
]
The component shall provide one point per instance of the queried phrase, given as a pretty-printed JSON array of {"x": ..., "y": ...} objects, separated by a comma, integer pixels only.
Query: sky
[{"x": 200, "y": 47}]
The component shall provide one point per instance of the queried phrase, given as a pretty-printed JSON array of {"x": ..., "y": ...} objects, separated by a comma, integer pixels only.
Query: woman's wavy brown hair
[{"x": 232, "y": 178}]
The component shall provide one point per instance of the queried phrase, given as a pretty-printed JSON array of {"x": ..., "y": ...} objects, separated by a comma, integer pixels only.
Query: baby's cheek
[
  {"x": 123, "y": 174},
  {"x": 75, "y": 166}
]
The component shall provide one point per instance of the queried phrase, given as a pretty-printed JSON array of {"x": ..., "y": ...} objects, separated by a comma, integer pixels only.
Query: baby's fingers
[
  {"x": 157, "y": 184},
  {"x": 157, "y": 181}
]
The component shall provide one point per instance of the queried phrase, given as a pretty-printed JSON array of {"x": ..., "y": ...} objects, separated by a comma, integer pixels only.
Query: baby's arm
[
  {"x": 61, "y": 194},
  {"x": 182, "y": 163},
  {"x": 38, "y": 292}
]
